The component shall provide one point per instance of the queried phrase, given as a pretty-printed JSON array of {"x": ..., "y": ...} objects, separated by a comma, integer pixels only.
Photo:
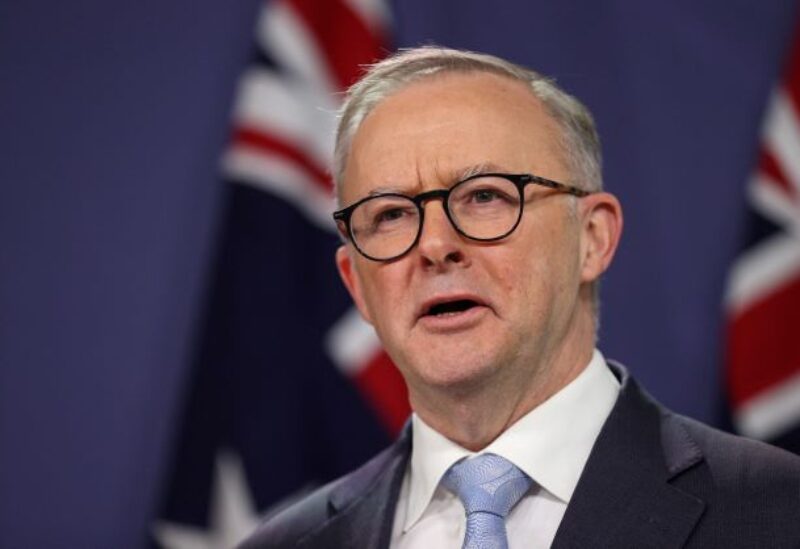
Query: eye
[
  {"x": 392, "y": 214},
  {"x": 483, "y": 196},
  {"x": 489, "y": 195}
]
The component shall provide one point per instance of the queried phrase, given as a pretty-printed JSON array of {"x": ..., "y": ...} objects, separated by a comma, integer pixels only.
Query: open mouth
[{"x": 449, "y": 308}]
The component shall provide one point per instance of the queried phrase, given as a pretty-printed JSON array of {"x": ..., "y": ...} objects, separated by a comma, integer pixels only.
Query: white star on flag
[{"x": 233, "y": 514}]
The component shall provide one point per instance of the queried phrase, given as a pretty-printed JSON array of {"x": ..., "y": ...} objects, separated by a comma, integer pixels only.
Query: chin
[{"x": 455, "y": 373}]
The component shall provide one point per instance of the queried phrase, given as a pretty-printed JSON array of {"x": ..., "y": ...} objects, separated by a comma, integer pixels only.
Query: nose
[{"x": 439, "y": 244}]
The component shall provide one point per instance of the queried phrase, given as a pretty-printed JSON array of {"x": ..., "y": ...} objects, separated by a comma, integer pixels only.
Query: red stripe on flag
[
  {"x": 269, "y": 143},
  {"x": 385, "y": 390},
  {"x": 342, "y": 37},
  {"x": 769, "y": 166},
  {"x": 791, "y": 75},
  {"x": 763, "y": 345}
]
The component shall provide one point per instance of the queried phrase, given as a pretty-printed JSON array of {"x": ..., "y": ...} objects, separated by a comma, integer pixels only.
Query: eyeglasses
[{"x": 485, "y": 207}]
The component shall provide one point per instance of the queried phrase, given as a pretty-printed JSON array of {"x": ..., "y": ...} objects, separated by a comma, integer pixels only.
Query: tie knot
[{"x": 487, "y": 483}]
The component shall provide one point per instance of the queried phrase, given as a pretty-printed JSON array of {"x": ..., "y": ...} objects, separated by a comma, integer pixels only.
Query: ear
[
  {"x": 347, "y": 270},
  {"x": 600, "y": 233}
]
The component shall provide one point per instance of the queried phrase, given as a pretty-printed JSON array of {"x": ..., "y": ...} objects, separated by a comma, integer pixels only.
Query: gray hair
[{"x": 579, "y": 140}]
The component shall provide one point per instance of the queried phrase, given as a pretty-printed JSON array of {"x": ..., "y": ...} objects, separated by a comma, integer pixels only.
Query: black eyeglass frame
[{"x": 519, "y": 181}]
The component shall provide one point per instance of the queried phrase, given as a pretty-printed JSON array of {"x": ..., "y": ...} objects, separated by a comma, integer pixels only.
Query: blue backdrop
[{"x": 112, "y": 118}]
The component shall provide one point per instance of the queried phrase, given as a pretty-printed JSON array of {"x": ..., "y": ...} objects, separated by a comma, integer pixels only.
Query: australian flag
[
  {"x": 763, "y": 302},
  {"x": 290, "y": 387}
]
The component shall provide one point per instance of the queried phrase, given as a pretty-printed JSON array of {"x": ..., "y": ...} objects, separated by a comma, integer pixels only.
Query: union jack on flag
[
  {"x": 283, "y": 143},
  {"x": 290, "y": 387},
  {"x": 763, "y": 301}
]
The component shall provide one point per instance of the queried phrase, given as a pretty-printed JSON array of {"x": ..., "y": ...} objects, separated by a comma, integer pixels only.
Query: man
[{"x": 476, "y": 230}]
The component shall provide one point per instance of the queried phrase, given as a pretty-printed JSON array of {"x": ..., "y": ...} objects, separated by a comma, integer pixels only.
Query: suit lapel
[
  {"x": 363, "y": 506},
  {"x": 623, "y": 498}
]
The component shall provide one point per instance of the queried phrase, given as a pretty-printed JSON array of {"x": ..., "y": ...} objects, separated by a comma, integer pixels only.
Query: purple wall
[{"x": 112, "y": 116}]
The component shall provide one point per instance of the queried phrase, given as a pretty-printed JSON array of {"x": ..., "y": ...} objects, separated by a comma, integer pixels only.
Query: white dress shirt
[{"x": 551, "y": 444}]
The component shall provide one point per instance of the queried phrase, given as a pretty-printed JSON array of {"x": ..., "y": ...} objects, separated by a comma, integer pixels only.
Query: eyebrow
[
  {"x": 386, "y": 190},
  {"x": 460, "y": 175},
  {"x": 477, "y": 169}
]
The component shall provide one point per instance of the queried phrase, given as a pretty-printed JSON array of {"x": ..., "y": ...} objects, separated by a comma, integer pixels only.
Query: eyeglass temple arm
[{"x": 575, "y": 191}]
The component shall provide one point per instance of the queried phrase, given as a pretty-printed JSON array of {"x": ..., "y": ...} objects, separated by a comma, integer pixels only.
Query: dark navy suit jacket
[{"x": 654, "y": 479}]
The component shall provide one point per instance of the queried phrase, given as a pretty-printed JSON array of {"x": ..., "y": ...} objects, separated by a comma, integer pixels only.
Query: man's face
[{"x": 518, "y": 296}]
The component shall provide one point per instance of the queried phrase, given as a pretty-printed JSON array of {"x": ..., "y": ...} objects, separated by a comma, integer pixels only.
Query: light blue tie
[{"x": 489, "y": 486}]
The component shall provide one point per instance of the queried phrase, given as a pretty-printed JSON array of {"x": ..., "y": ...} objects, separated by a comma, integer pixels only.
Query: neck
[{"x": 476, "y": 416}]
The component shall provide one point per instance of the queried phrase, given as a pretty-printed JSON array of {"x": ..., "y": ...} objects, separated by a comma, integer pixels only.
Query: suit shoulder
[
  {"x": 287, "y": 528},
  {"x": 744, "y": 465},
  {"x": 740, "y": 450}
]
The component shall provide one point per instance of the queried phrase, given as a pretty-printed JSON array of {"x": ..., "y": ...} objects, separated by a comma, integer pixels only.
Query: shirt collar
[{"x": 551, "y": 443}]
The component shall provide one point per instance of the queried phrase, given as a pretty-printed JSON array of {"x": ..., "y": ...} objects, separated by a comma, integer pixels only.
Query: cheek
[
  {"x": 383, "y": 294},
  {"x": 534, "y": 271},
  {"x": 517, "y": 279}
]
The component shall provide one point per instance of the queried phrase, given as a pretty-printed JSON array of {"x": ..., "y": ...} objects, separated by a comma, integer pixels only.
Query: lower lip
[{"x": 454, "y": 322}]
